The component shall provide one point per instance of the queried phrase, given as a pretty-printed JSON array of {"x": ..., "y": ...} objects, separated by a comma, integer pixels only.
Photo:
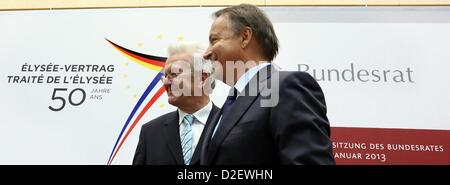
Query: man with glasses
[{"x": 175, "y": 138}]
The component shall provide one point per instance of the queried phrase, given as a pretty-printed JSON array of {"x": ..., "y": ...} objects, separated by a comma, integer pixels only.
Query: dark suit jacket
[
  {"x": 295, "y": 131},
  {"x": 159, "y": 141}
]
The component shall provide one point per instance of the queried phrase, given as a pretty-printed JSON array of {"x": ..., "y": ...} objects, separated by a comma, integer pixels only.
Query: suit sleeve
[
  {"x": 299, "y": 122},
  {"x": 139, "y": 155}
]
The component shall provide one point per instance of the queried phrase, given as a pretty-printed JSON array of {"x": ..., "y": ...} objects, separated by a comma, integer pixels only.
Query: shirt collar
[
  {"x": 201, "y": 115},
  {"x": 247, "y": 76}
]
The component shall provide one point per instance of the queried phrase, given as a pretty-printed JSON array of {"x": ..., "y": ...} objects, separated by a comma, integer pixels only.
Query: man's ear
[
  {"x": 204, "y": 76},
  {"x": 246, "y": 36}
]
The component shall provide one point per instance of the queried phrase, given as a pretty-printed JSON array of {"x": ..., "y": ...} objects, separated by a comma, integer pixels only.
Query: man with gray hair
[
  {"x": 175, "y": 138},
  {"x": 292, "y": 128}
]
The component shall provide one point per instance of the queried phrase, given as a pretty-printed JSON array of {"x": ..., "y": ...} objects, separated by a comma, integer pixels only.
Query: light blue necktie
[{"x": 186, "y": 138}]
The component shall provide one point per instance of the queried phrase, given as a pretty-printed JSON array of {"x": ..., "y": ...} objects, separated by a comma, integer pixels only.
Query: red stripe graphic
[{"x": 149, "y": 104}]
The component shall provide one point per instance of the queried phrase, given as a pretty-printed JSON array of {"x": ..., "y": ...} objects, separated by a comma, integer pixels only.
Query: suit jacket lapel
[
  {"x": 198, "y": 149},
  {"x": 240, "y": 106},
  {"x": 172, "y": 137}
]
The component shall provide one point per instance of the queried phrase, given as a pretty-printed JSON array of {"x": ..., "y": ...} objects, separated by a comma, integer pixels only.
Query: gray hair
[
  {"x": 244, "y": 15},
  {"x": 199, "y": 64}
]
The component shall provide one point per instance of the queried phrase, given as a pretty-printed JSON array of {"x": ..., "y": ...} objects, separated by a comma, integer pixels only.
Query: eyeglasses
[
  {"x": 169, "y": 76},
  {"x": 173, "y": 75}
]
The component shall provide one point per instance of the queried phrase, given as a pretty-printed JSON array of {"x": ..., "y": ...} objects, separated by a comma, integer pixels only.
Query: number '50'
[{"x": 63, "y": 101}]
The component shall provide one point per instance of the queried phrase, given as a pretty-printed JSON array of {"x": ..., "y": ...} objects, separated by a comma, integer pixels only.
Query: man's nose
[{"x": 166, "y": 81}]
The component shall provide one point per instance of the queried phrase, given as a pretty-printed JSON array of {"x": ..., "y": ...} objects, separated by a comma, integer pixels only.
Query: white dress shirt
[
  {"x": 201, "y": 116},
  {"x": 242, "y": 82},
  {"x": 247, "y": 76}
]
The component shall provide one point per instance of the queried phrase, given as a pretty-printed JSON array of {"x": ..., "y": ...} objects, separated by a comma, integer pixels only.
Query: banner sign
[{"x": 77, "y": 85}]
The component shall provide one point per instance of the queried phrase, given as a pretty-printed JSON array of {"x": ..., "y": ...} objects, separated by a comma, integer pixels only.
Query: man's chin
[{"x": 172, "y": 101}]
